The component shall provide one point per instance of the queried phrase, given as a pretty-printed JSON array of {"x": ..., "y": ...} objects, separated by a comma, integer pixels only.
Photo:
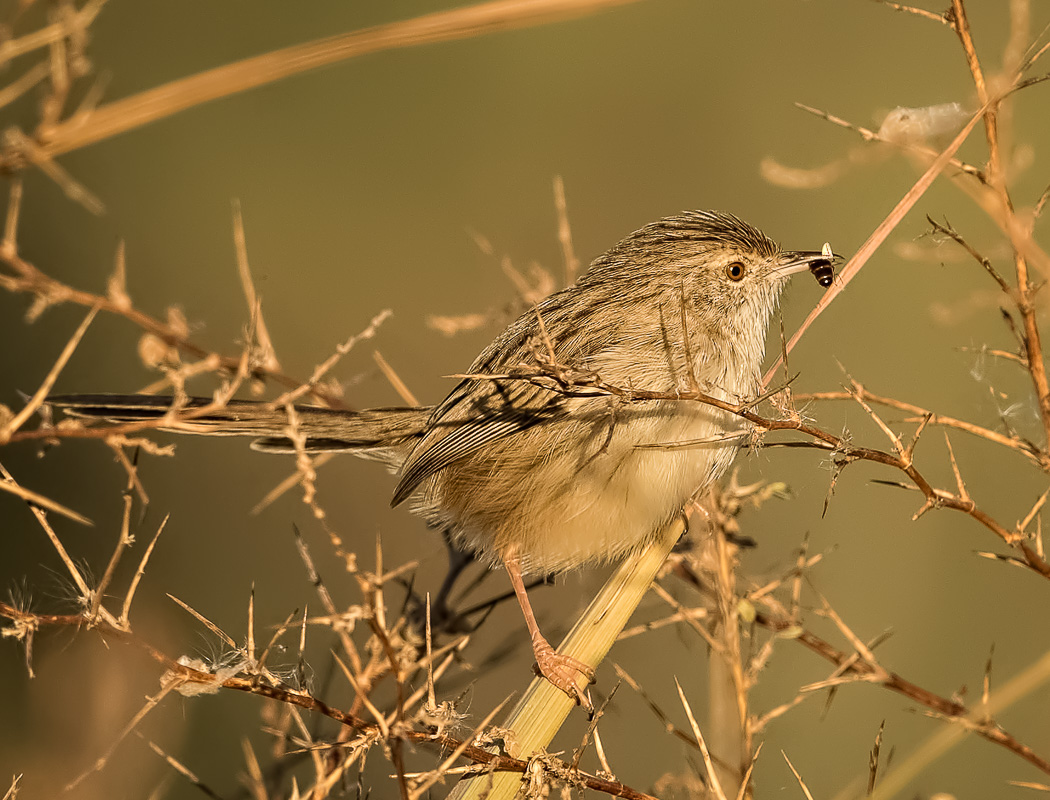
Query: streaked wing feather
[{"x": 462, "y": 424}]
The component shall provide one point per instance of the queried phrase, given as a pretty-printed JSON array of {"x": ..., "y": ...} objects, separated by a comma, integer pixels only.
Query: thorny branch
[
  {"x": 575, "y": 383},
  {"x": 177, "y": 671},
  {"x": 866, "y": 670},
  {"x": 23, "y": 277},
  {"x": 861, "y": 665},
  {"x": 997, "y": 180},
  {"x": 1026, "y": 448},
  {"x": 26, "y": 278}
]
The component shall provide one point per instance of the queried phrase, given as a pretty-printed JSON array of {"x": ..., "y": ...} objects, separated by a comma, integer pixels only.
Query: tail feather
[{"x": 386, "y": 434}]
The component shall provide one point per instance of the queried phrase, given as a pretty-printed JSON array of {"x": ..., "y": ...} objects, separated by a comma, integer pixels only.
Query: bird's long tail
[{"x": 382, "y": 434}]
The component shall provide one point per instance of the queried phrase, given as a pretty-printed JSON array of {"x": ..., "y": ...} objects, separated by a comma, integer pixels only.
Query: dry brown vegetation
[{"x": 406, "y": 706}]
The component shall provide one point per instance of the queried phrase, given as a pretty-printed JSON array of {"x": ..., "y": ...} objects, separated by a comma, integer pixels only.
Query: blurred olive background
[{"x": 363, "y": 187}]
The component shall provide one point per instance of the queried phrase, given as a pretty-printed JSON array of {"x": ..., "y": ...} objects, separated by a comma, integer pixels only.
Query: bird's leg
[{"x": 561, "y": 670}]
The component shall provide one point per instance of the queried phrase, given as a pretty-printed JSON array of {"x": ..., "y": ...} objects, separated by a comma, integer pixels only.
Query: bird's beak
[{"x": 819, "y": 262}]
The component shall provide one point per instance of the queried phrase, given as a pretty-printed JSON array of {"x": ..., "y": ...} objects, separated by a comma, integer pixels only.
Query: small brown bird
[{"x": 540, "y": 479}]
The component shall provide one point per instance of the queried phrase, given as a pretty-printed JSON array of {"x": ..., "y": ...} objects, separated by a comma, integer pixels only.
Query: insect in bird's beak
[
  {"x": 820, "y": 264},
  {"x": 823, "y": 270}
]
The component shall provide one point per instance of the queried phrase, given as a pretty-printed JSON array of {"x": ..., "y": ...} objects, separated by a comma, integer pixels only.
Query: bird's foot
[{"x": 564, "y": 672}]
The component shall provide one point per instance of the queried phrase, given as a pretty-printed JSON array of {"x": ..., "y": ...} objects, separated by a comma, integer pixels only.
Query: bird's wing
[{"x": 473, "y": 415}]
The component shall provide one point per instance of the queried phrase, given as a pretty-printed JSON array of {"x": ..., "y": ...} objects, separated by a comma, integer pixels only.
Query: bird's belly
[{"x": 595, "y": 498}]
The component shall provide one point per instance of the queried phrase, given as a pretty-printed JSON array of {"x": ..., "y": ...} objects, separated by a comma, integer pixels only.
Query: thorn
[
  {"x": 930, "y": 503},
  {"x": 964, "y": 495},
  {"x": 873, "y": 759},
  {"x": 1022, "y": 526},
  {"x": 858, "y": 395},
  {"x": 910, "y": 451}
]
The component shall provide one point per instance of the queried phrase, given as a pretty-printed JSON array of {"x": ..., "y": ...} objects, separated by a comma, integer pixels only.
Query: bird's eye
[{"x": 735, "y": 270}]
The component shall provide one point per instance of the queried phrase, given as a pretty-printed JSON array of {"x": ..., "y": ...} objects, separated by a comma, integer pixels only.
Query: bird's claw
[{"x": 563, "y": 672}]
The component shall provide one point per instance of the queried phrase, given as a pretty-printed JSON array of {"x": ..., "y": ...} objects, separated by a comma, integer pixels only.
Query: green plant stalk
[{"x": 542, "y": 709}]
